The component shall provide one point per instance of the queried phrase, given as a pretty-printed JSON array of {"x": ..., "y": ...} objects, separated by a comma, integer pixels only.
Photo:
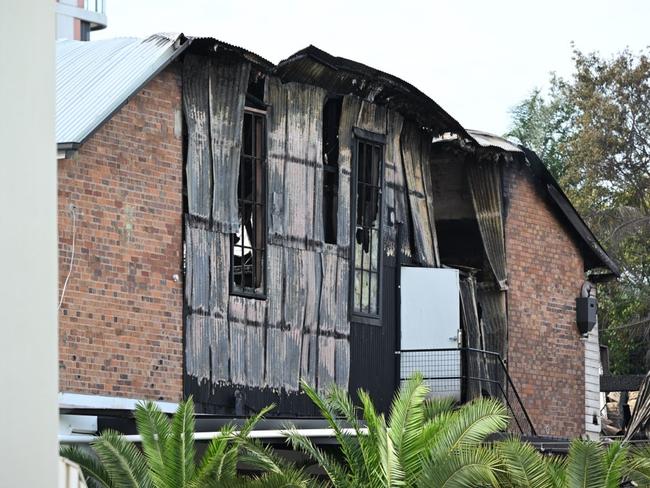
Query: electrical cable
[{"x": 74, "y": 234}]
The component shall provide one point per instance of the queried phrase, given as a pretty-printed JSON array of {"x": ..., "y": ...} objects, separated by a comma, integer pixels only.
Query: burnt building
[{"x": 239, "y": 226}]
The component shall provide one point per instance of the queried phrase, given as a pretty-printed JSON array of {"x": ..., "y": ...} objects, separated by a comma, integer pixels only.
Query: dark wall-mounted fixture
[
  {"x": 586, "y": 313},
  {"x": 586, "y": 308}
]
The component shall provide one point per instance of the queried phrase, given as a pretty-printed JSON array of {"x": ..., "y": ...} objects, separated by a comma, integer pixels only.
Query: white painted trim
[
  {"x": 79, "y": 400},
  {"x": 206, "y": 436},
  {"x": 60, "y": 155}
]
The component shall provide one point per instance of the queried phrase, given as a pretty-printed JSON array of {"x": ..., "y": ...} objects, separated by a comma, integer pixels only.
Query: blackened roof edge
[
  {"x": 573, "y": 216},
  {"x": 337, "y": 63},
  {"x": 211, "y": 45},
  {"x": 557, "y": 197}
]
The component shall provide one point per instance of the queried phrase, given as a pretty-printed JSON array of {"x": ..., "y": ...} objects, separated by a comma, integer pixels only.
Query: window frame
[
  {"x": 331, "y": 171},
  {"x": 235, "y": 290},
  {"x": 374, "y": 139}
]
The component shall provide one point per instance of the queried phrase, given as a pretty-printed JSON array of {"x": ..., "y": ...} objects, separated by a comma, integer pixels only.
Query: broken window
[
  {"x": 367, "y": 228},
  {"x": 331, "y": 118},
  {"x": 249, "y": 243}
]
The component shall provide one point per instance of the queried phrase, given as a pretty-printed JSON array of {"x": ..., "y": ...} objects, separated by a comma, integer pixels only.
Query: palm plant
[
  {"x": 422, "y": 443},
  {"x": 168, "y": 456},
  {"x": 589, "y": 464}
]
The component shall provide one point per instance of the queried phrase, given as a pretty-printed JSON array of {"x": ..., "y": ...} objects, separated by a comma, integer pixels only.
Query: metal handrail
[
  {"x": 514, "y": 390},
  {"x": 509, "y": 384}
]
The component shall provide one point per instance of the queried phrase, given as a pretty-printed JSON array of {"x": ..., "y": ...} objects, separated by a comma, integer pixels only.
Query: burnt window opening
[
  {"x": 255, "y": 91},
  {"x": 367, "y": 243},
  {"x": 248, "y": 245},
  {"x": 331, "y": 119}
]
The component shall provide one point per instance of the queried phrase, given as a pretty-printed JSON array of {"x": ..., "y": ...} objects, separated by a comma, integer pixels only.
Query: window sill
[
  {"x": 248, "y": 294},
  {"x": 374, "y": 320}
]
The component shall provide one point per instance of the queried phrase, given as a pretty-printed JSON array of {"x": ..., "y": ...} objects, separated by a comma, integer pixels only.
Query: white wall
[
  {"x": 28, "y": 247},
  {"x": 592, "y": 384}
]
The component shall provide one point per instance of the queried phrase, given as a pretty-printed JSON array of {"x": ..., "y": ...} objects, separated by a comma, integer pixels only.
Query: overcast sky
[{"x": 475, "y": 58}]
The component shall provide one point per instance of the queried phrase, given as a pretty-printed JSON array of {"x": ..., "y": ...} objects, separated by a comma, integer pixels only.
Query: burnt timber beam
[{"x": 624, "y": 382}]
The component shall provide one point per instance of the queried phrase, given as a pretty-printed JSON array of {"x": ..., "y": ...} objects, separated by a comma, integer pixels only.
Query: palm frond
[
  {"x": 340, "y": 403},
  {"x": 251, "y": 422},
  {"x": 261, "y": 457},
  {"x": 461, "y": 469},
  {"x": 219, "y": 461},
  {"x": 329, "y": 406},
  {"x": 155, "y": 430},
  {"x": 380, "y": 456},
  {"x": 337, "y": 473},
  {"x": 639, "y": 466},
  {"x": 432, "y": 429},
  {"x": 407, "y": 416},
  {"x": 180, "y": 457},
  {"x": 585, "y": 467},
  {"x": 124, "y": 463},
  {"x": 472, "y": 424},
  {"x": 437, "y": 406},
  {"x": 523, "y": 464},
  {"x": 615, "y": 460},
  {"x": 291, "y": 478},
  {"x": 556, "y": 469},
  {"x": 93, "y": 470}
]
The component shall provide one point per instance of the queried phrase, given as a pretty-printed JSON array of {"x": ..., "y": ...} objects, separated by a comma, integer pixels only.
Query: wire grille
[{"x": 465, "y": 374}]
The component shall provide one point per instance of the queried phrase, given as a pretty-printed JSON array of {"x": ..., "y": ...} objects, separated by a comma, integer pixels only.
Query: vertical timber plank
[
  {"x": 275, "y": 335},
  {"x": 236, "y": 321},
  {"x": 277, "y": 153},
  {"x": 294, "y": 314},
  {"x": 228, "y": 85},
  {"x": 196, "y": 74}
]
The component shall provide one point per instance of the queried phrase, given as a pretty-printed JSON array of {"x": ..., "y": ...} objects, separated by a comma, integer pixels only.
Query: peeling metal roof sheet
[
  {"x": 344, "y": 76},
  {"x": 94, "y": 79},
  {"x": 485, "y": 139}
]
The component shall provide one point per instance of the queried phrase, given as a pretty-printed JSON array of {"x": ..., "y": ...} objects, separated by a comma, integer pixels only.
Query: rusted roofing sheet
[{"x": 94, "y": 79}]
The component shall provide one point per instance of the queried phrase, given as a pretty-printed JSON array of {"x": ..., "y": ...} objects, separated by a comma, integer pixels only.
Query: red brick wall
[
  {"x": 120, "y": 324},
  {"x": 545, "y": 272}
]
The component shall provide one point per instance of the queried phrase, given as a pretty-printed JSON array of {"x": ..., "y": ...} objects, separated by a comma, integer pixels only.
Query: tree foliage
[{"x": 593, "y": 131}]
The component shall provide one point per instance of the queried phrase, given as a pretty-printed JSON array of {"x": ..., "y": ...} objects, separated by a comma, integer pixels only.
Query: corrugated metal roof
[
  {"x": 93, "y": 79},
  {"x": 486, "y": 139}
]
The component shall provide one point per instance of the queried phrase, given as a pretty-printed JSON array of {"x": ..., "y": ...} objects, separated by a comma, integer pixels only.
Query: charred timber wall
[
  {"x": 120, "y": 324},
  {"x": 545, "y": 272},
  {"x": 258, "y": 348}
]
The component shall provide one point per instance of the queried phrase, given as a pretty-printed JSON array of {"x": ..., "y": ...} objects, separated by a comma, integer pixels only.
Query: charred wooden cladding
[
  {"x": 306, "y": 192},
  {"x": 287, "y": 231},
  {"x": 308, "y": 187}
]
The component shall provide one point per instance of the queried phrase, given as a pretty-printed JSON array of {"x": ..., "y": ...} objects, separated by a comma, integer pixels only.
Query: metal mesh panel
[
  {"x": 441, "y": 370},
  {"x": 454, "y": 373}
]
